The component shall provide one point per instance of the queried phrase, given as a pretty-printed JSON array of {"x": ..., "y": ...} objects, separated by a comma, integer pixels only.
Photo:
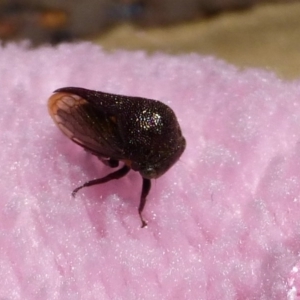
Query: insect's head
[
  {"x": 153, "y": 139},
  {"x": 160, "y": 162}
]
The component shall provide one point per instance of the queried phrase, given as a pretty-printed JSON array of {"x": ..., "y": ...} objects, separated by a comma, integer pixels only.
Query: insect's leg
[
  {"x": 113, "y": 163},
  {"x": 115, "y": 175},
  {"x": 145, "y": 191}
]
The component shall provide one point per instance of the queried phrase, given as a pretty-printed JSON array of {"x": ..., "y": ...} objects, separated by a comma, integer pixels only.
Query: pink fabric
[{"x": 223, "y": 223}]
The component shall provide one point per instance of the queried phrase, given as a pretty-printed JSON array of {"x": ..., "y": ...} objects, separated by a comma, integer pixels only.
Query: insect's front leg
[
  {"x": 113, "y": 163},
  {"x": 145, "y": 191},
  {"x": 115, "y": 175}
]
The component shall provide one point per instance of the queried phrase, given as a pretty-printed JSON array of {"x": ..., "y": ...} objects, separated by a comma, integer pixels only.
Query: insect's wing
[
  {"x": 113, "y": 104},
  {"x": 87, "y": 126}
]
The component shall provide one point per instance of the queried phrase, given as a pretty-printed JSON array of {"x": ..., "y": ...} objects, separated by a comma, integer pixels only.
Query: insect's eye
[{"x": 148, "y": 173}]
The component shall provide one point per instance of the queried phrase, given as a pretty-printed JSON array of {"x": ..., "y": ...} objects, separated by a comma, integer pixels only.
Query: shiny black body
[{"x": 143, "y": 133}]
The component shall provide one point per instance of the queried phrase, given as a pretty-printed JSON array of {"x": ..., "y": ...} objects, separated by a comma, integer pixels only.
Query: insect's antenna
[
  {"x": 115, "y": 175},
  {"x": 145, "y": 191}
]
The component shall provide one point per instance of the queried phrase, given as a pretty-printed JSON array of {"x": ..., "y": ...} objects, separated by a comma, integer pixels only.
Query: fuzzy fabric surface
[{"x": 223, "y": 222}]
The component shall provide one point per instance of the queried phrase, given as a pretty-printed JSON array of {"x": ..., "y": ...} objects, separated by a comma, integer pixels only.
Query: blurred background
[{"x": 247, "y": 33}]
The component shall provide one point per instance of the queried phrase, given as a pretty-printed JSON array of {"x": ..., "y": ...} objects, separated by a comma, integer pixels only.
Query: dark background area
[{"x": 248, "y": 33}]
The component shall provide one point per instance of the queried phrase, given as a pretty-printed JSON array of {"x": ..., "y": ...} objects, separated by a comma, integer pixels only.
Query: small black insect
[{"x": 142, "y": 133}]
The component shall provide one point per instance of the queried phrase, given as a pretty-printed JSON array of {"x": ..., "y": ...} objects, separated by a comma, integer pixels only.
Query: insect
[{"x": 143, "y": 134}]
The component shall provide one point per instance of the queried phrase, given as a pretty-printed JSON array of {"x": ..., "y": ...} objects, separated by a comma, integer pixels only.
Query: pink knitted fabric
[{"x": 223, "y": 223}]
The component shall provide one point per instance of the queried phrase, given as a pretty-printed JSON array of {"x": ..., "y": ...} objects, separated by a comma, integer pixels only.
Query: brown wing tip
[
  {"x": 62, "y": 101},
  {"x": 52, "y": 103}
]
